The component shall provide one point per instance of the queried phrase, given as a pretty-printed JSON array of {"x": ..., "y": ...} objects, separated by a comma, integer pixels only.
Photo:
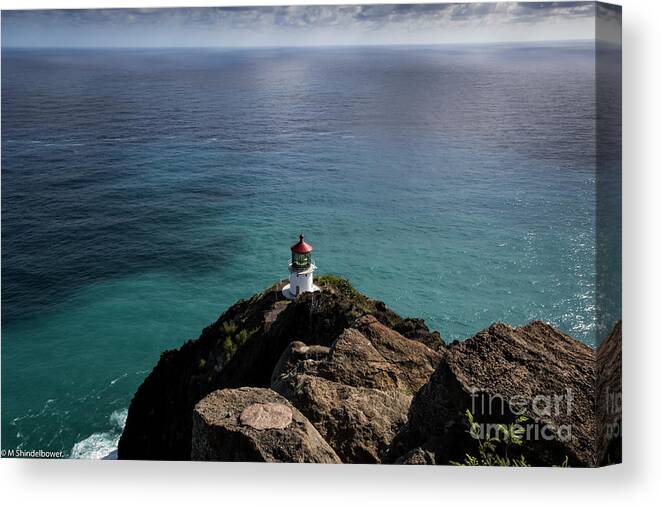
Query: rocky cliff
[
  {"x": 337, "y": 377},
  {"x": 242, "y": 349},
  {"x": 609, "y": 398}
]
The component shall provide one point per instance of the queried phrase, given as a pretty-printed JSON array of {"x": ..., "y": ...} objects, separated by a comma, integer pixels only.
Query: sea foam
[{"x": 102, "y": 445}]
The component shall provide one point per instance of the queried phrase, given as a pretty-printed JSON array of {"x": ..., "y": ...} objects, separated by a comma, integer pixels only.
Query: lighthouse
[{"x": 301, "y": 269}]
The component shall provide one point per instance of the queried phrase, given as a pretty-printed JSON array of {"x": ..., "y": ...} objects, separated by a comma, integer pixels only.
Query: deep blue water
[{"x": 144, "y": 191}]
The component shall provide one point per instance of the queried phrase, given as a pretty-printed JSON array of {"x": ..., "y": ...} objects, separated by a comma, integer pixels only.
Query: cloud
[{"x": 403, "y": 22}]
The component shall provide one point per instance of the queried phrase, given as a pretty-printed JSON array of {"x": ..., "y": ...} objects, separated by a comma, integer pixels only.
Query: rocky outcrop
[
  {"x": 609, "y": 398},
  {"x": 253, "y": 424},
  {"x": 241, "y": 349},
  {"x": 359, "y": 423},
  {"x": 369, "y": 354},
  {"x": 358, "y": 391},
  {"x": 500, "y": 373},
  {"x": 409, "y": 362},
  {"x": 334, "y": 376}
]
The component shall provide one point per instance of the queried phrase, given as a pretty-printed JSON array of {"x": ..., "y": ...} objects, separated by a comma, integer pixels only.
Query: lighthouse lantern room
[{"x": 301, "y": 269}]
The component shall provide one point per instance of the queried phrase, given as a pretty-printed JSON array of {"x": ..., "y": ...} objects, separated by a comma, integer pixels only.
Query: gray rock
[
  {"x": 417, "y": 456},
  {"x": 265, "y": 416},
  {"x": 298, "y": 358},
  {"x": 357, "y": 393},
  {"x": 255, "y": 424},
  {"x": 408, "y": 362},
  {"x": 498, "y": 374},
  {"x": 371, "y": 355},
  {"x": 357, "y": 422}
]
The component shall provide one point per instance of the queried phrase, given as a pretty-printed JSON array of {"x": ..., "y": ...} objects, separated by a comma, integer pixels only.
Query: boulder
[
  {"x": 370, "y": 355},
  {"x": 298, "y": 358},
  {"x": 408, "y": 362},
  {"x": 417, "y": 330},
  {"x": 417, "y": 456},
  {"x": 411, "y": 328},
  {"x": 358, "y": 423},
  {"x": 255, "y": 424},
  {"x": 499, "y": 374},
  {"x": 357, "y": 392}
]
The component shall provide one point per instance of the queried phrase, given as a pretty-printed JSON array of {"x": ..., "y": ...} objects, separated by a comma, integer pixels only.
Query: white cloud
[{"x": 300, "y": 25}]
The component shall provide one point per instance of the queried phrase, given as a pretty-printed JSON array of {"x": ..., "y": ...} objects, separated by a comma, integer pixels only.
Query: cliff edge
[
  {"x": 335, "y": 376},
  {"x": 241, "y": 349}
]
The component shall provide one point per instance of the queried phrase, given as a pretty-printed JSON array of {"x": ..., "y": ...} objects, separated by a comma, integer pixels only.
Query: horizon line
[{"x": 301, "y": 46}]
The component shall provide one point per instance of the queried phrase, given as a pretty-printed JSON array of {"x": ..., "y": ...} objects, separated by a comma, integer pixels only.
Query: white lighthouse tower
[{"x": 301, "y": 269}]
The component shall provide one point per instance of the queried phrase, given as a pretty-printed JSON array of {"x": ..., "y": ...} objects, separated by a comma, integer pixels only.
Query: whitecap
[
  {"x": 96, "y": 446},
  {"x": 118, "y": 418},
  {"x": 102, "y": 445},
  {"x": 114, "y": 381}
]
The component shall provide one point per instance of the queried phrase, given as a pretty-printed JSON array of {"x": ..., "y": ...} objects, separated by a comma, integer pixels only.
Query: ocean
[{"x": 145, "y": 191}]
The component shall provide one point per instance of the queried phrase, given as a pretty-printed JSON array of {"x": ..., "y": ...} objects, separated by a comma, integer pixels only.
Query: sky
[{"x": 308, "y": 25}]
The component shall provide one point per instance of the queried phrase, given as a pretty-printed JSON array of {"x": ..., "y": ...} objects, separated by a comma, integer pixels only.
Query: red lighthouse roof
[{"x": 301, "y": 247}]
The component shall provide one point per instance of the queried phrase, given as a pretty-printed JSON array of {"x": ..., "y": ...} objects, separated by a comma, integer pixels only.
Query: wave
[{"x": 102, "y": 445}]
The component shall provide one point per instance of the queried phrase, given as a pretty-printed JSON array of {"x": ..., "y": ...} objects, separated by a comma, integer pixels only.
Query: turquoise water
[{"x": 143, "y": 192}]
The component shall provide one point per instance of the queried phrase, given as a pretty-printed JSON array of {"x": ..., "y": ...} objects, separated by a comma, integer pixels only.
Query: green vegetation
[
  {"x": 353, "y": 315},
  {"x": 344, "y": 289},
  {"x": 233, "y": 340},
  {"x": 229, "y": 328},
  {"x": 339, "y": 284},
  {"x": 494, "y": 450}
]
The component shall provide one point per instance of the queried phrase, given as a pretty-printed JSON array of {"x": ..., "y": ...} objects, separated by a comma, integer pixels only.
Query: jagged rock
[
  {"x": 349, "y": 366},
  {"x": 409, "y": 363},
  {"x": 253, "y": 424},
  {"x": 298, "y": 358},
  {"x": 241, "y": 349},
  {"x": 411, "y": 328},
  {"x": 357, "y": 422},
  {"x": 503, "y": 371},
  {"x": 417, "y": 330},
  {"x": 356, "y": 393},
  {"x": 417, "y": 456},
  {"x": 609, "y": 398},
  {"x": 379, "y": 359}
]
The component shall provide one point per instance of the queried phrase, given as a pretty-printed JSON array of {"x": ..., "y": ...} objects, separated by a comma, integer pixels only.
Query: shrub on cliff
[
  {"x": 233, "y": 341},
  {"x": 494, "y": 450}
]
